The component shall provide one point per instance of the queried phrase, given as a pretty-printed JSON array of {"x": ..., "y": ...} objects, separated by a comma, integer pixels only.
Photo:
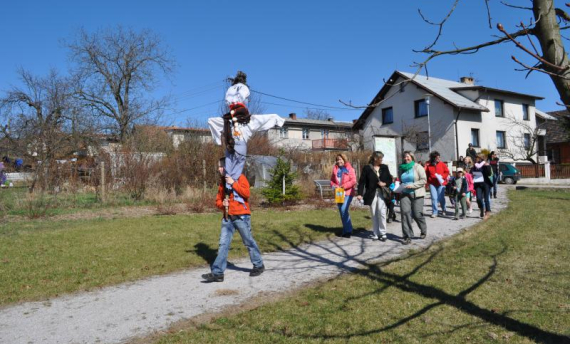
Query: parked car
[{"x": 508, "y": 173}]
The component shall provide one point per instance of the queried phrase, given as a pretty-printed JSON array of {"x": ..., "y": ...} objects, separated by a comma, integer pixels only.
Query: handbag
[
  {"x": 386, "y": 193},
  {"x": 339, "y": 195}
]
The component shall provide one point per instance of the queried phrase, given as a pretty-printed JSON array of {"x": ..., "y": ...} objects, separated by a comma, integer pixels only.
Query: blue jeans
[
  {"x": 437, "y": 194},
  {"x": 345, "y": 216},
  {"x": 483, "y": 196},
  {"x": 243, "y": 224}
]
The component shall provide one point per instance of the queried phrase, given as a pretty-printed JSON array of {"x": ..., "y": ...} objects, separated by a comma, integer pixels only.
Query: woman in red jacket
[
  {"x": 437, "y": 173},
  {"x": 343, "y": 176}
]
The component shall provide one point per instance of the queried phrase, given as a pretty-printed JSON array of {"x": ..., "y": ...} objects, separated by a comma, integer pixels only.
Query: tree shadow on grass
[
  {"x": 205, "y": 251},
  {"x": 405, "y": 283}
]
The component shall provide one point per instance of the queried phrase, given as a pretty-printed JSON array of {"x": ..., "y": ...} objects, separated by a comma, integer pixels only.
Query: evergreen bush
[{"x": 274, "y": 190}]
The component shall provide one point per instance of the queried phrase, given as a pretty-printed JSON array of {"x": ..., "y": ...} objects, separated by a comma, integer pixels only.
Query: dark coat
[
  {"x": 368, "y": 182},
  {"x": 486, "y": 169}
]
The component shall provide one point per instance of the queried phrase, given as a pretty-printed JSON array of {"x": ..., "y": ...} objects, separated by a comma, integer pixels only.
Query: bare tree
[
  {"x": 546, "y": 28},
  {"x": 116, "y": 70},
  {"x": 522, "y": 141},
  {"x": 41, "y": 122},
  {"x": 318, "y": 114}
]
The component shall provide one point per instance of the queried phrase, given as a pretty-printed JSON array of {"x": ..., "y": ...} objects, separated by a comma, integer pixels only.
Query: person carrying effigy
[{"x": 236, "y": 127}]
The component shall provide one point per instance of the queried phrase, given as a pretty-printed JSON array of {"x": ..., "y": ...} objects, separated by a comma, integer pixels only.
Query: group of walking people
[
  {"x": 374, "y": 189},
  {"x": 378, "y": 188}
]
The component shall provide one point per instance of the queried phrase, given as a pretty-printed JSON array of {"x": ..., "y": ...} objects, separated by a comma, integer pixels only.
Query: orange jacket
[{"x": 241, "y": 186}]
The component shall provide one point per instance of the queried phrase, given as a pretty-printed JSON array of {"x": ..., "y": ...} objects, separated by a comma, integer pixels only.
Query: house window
[
  {"x": 283, "y": 133},
  {"x": 402, "y": 87},
  {"x": 422, "y": 141},
  {"x": 324, "y": 133},
  {"x": 475, "y": 137},
  {"x": 306, "y": 132},
  {"x": 387, "y": 116},
  {"x": 421, "y": 108},
  {"x": 526, "y": 139},
  {"x": 525, "y": 112},
  {"x": 499, "y": 107},
  {"x": 501, "y": 143}
]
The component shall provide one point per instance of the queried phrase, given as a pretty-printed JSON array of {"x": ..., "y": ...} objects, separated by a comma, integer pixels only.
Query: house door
[{"x": 387, "y": 145}]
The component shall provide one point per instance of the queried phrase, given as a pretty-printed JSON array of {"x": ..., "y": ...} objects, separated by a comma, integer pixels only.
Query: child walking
[{"x": 460, "y": 189}]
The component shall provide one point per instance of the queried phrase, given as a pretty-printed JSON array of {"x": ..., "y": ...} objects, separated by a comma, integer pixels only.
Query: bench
[{"x": 323, "y": 185}]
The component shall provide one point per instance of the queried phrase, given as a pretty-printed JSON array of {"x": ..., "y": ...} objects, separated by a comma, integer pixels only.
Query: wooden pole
[
  {"x": 102, "y": 181},
  {"x": 204, "y": 173}
]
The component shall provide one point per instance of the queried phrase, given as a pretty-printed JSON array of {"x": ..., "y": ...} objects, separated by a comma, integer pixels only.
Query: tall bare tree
[
  {"x": 41, "y": 121},
  {"x": 116, "y": 70},
  {"x": 548, "y": 56}
]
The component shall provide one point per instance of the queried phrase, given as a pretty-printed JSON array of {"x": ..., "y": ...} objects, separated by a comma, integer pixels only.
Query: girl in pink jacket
[
  {"x": 470, "y": 191},
  {"x": 343, "y": 176}
]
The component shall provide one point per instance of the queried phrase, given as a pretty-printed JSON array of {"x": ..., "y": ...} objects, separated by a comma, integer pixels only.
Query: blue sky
[{"x": 312, "y": 51}]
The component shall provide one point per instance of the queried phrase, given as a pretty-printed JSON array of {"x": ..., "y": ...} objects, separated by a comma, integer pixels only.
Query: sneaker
[
  {"x": 407, "y": 241},
  {"x": 257, "y": 271},
  {"x": 462, "y": 216},
  {"x": 481, "y": 214},
  {"x": 213, "y": 278},
  {"x": 423, "y": 236},
  {"x": 470, "y": 210},
  {"x": 374, "y": 237},
  {"x": 433, "y": 216},
  {"x": 456, "y": 218},
  {"x": 346, "y": 235},
  {"x": 383, "y": 238}
]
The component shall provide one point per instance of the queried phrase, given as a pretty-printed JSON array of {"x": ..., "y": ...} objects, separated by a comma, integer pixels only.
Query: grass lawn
[
  {"x": 45, "y": 258},
  {"x": 507, "y": 280},
  {"x": 17, "y": 201}
]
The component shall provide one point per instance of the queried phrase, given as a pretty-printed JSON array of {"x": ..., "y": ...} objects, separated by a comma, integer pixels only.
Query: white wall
[
  {"x": 405, "y": 122},
  {"x": 488, "y": 124}
]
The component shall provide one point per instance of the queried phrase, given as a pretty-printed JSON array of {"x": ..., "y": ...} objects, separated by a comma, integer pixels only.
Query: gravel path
[{"x": 120, "y": 313}]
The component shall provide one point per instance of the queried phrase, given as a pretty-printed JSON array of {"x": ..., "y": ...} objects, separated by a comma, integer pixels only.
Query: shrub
[{"x": 274, "y": 191}]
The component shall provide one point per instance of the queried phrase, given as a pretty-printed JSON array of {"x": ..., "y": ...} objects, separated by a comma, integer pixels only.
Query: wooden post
[
  {"x": 204, "y": 173},
  {"x": 102, "y": 181}
]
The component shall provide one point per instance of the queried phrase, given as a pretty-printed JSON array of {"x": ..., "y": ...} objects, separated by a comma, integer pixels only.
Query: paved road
[{"x": 116, "y": 314}]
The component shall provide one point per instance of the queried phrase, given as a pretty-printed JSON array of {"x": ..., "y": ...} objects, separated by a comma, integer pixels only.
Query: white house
[
  {"x": 425, "y": 113},
  {"x": 311, "y": 134}
]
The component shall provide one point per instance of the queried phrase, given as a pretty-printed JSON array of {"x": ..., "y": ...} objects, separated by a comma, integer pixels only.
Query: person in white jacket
[{"x": 238, "y": 126}]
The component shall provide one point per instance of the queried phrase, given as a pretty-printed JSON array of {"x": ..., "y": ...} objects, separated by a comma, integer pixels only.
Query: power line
[
  {"x": 200, "y": 88},
  {"x": 193, "y": 108},
  {"x": 304, "y": 107},
  {"x": 192, "y": 95},
  {"x": 301, "y": 102}
]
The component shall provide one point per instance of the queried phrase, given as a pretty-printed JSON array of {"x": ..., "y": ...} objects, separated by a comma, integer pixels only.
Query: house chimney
[
  {"x": 467, "y": 80},
  {"x": 293, "y": 116},
  {"x": 354, "y": 121},
  {"x": 330, "y": 119}
]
